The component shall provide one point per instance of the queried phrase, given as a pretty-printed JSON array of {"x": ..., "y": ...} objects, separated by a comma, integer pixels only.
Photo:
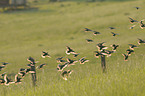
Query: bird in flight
[
  {"x": 89, "y": 40},
  {"x": 69, "y": 50},
  {"x": 129, "y": 51},
  {"x": 142, "y": 25},
  {"x": 61, "y": 67},
  {"x": 132, "y": 20},
  {"x": 132, "y": 46},
  {"x": 112, "y": 28},
  {"x": 65, "y": 74},
  {"x": 83, "y": 60},
  {"x": 114, "y": 34},
  {"x": 141, "y": 41},
  {"x": 41, "y": 66},
  {"x": 125, "y": 57},
  {"x": 45, "y": 54},
  {"x": 114, "y": 46}
]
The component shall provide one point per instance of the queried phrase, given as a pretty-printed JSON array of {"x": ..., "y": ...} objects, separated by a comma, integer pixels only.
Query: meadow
[{"x": 53, "y": 26}]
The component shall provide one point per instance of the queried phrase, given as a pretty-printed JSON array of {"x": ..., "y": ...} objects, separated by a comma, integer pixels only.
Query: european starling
[{"x": 69, "y": 50}]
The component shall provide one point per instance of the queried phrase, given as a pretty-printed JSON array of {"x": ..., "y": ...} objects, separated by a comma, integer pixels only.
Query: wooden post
[
  {"x": 33, "y": 74},
  {"x": 103, "y": 63}
]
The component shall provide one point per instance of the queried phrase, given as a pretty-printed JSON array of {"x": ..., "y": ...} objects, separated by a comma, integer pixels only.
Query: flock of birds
[
  {"x": 5, "y": 80},
  {"x": 102, "y": 50}
]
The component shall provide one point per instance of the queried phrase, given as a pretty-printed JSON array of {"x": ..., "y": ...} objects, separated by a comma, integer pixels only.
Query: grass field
[{"x": 53, "y": 26}]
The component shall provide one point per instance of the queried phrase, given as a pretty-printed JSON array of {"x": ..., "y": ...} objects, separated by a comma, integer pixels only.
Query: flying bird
[
  {"x": 65, "y": 74},
  {"x": 112, "y": 28},
  {"x": 132, "y": 20},
  {"x": 75, "y": 54},
  {"x": 114, "y": 34},
  {"x": 101, "y": 47},
  {"x": 132, "y": 46},
  {"x": 61, "y": 67},
  {"x": 71, "y": 62},
  {"x": 2, "y": 81},
  {"x": 141, "y": 41},
  {"x": 3, "y": 74},
  {"x": 101, "y": 44},
  {"x": 97, "y": 54},
  {"x": 59, "y": 60},
  {"x": 142, "y": 25},
  {"x": 125, "y": 57},
  {"x": 129, "y": 51},
  {"x": 17, "y": 79},
  {"x": 95, "y": 32},
  {"x": 31, "y": 60},
  {"x": 69, "y": 50},
  {"x": 4, "y": 63},
  {"x": 89, "y": 40},
  {"x": 41, "y": 66},
  {"x": 109, "y": 53},
  {"x": 22, "y": 74},
  {"x": 132, "y": 27},
  {"x": 83, "y": 60},
  {"x": 7, "y": 80},
  {"x": 86, "y": 30},
  {"x": 45, "y": 54},
  {"x": 114, "y": 46},
  {"x": 1, "y": 67},
  {"x": 137, "y": 8}
]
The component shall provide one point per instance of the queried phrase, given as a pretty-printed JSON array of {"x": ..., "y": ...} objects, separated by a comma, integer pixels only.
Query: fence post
[
  {"x": 103, "y": 63},
  {"x": 33, "y": 74}
]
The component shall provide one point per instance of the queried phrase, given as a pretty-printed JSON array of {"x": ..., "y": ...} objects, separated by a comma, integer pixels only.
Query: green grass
[{"x": 54, "y": 26}]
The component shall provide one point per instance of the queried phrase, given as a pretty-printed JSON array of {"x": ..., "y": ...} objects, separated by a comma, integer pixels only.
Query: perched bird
[
  {"x": 89, "y": 40},
  {"x": 132, "y": 27},
  {"x": 132, "y": 20},
  {"x": 45, "y": 54},
  {"x": 69, "y": 50},
  {"x": 112, "y": 28},
  {"x": 71, "y": 62},
  {"x": 114, "y": 34},
  {"x": 75, "y": 54},
  {"x": 125, "y": 57},
  {"x": 95, "y": 32},
  {"x": 132, "y": 46},
  {"x": 86, "y": 30},
  {"x": 41, "y": 66},
  {"x": 141, "y": 41},
  {"x": 129, "y": 51},
  {"x": 65, "y": 74},
  {"x": 142, "y": 25},
  {"x": 17, "y": 79},
  {"x": 61, "y": 67},
  {"x": 114, "y": 46},
  {"x": 7, "y": 80},
  {"x": 31, "y": 60},
  {"x": 83, "y": 60}
]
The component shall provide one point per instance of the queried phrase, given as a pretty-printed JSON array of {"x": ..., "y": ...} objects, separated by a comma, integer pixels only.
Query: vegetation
[{"x": 53, "y": 26}]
